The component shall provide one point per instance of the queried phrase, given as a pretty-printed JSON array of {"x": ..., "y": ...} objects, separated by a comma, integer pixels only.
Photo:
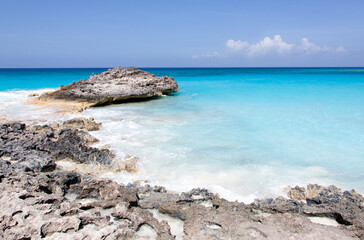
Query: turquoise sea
[{"x": 241, "y": 132}]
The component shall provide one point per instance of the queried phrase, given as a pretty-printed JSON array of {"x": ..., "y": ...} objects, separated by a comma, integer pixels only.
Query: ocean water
[{"x": 243, "y": 133}]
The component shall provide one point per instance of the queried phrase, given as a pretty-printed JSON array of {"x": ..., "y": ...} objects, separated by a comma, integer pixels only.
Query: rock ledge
[{"x": 114, "y": 86}]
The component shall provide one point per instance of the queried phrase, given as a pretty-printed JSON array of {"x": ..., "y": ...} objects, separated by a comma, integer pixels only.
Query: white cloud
[
  {"x": 237, "y": 45},
  {"x": 340, "y": 49},
  {"x": 310, "y": 47},
  {"x": 262, "y": 47},
  {"x": 270, "y": 45},
  {"x": 213, "y": 55},
  {"x": 278, "y": 46}
]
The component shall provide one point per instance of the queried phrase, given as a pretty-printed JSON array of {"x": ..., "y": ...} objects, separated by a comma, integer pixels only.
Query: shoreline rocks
[
  {"x": 115, "y": 85},
  {"x": 41, "y": 200},
  {"x": 46, "y": 192},
  {"x": 23, "y": 145}
]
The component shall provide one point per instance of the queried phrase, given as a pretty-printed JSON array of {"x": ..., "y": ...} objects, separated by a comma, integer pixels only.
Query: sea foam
[{"x": 242, "y": 135}]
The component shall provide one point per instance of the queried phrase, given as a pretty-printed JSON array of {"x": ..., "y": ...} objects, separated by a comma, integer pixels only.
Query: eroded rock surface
[
  {"x": 39, "y": 200},
  {"x": 207, "y": 216},
  {"x": 41, "y": 205},
  {"x": 38, "y": 146},
  {"x": 115, "y": 85}
]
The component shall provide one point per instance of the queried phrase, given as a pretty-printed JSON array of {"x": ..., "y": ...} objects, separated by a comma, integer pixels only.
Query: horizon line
[{"x": 162, "y": 67}]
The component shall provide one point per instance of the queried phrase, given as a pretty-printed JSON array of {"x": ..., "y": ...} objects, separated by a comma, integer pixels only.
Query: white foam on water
[
  {"x": 178, "y": 152},
  {"x": 14, "y": 107},
  {"x": 163, "y": 161},
  {"x": 243, "y": 184}
]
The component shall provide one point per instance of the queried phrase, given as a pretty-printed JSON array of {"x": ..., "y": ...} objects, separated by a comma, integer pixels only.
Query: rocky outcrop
[
  {"x": 114, "y": 86},
  {"x": 62, "y": 205},
  {"x": 45, "y": 143},
  {"x": 66, "y": 205},
  {"x": 346, "y": 208},
  {"x": 79, "y": 124},
  {"x": 207, "y": 216},
  {"x": 39, "y": 200}
]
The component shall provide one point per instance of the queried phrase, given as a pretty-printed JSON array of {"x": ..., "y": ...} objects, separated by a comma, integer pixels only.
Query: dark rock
[
  {"x": 36, "y": 149},
  {"x": 72, "y": 144}
]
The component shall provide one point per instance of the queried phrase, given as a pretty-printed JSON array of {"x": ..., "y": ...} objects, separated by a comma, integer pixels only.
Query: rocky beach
[{"x": 51, "y": 189}]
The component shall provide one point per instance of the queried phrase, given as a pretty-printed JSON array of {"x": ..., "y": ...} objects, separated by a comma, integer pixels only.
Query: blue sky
[{"x": 184, "y": 33}]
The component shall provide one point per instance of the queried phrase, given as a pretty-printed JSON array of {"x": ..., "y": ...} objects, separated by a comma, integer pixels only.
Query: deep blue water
[
  {"x": 42, "y": 78},
  {"x": 33, "y": 78},
  {"x": 244, "y": 132}
]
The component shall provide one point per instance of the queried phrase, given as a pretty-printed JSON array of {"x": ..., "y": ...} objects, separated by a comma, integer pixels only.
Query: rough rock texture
[
  {"x": 79, "y": 123},
  {"x": 66, "y": 205},
  {"x": 347, "y": 207},
  {"x": 206, "y": 216},
  {"x": 40, "y": 201},
  {"x": 115, "y": 85},
  {"x": 42, "y": 144},
  {"x": 36, "y": 206}
]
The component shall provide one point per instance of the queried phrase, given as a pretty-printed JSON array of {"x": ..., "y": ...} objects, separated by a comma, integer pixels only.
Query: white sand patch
[
  {"x": 207, "y": 203},
  {"x": 146, "y": 232},
  {"x": 324, "y": 221},
  {"x": 261, "y": 214},
  {"x": 213, "y": 226},
  {"x": 197, "y": 197},
  {"x": 175, "y": 223}
]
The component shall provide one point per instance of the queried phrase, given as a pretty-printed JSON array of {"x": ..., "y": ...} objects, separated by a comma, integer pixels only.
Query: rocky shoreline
[
  {"x": 41, "y": 199},
  {"x": 115, "y": 85},
  {"x": 50, "y": 187}
]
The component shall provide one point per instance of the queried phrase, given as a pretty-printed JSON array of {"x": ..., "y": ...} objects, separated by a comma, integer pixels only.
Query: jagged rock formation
[
  {"x": 113, "y": 86},
  {"x": 66, "y": 205},
  {"x": 39, "y": 200},
  {"x": 207, "y": 216},
  {"x": 44, "y": 144}
]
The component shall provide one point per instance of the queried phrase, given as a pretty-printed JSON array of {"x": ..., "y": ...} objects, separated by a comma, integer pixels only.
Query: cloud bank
[{"x": 278, "y": 46}]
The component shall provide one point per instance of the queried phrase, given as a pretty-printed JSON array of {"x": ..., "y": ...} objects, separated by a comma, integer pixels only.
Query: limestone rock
[
  {"x": 104, "y": 190},
  {"x": 297, "y": 193},
  {"x": 82, "y": 123},
  {"x": 113, "y": 86},
  {"x": 36, "y": 148},
  {"x": 60, "y": 225},
  {"x": 38, "y": 200}
]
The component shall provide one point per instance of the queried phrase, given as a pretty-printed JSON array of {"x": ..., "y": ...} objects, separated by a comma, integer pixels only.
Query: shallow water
[{"x": 244, "y": 133}]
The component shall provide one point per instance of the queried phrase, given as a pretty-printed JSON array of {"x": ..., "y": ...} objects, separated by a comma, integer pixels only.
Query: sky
[{"x": 185, "y": 33}]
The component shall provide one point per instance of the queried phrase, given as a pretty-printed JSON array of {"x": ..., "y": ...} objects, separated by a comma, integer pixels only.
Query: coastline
[
  {"x": 50, "y": 176},
  {"x": 65, "y": 199},
  {"x": 21, "y": 110}
]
